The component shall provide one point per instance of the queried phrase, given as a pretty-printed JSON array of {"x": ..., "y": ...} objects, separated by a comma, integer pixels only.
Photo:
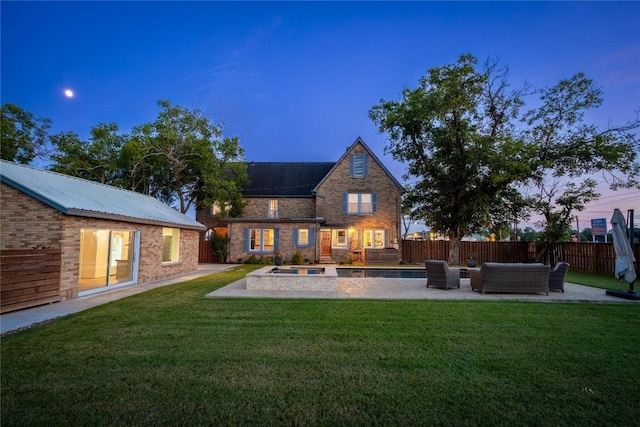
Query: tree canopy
[
  {"x": 23, "y": 136},
  {"x": 180, "y": 158},
  {"x": 95, "y": 160},
  {"x": 470, "y": 152}
]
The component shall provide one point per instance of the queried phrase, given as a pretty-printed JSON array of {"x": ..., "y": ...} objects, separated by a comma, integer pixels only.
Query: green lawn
[
  {"x": 599, "y": 281},
  {"x": 171, "y": 357}
]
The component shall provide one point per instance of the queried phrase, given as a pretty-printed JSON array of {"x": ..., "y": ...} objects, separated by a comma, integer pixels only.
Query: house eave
[
  {"x": 129, "y": 219},
  {"x": 273, "y": 220}
]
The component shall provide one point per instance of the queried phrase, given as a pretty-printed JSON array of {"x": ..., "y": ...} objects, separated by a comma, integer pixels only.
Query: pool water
[
  {"x": 385, "y": 273},
  {"x": 297, "y": 270}
]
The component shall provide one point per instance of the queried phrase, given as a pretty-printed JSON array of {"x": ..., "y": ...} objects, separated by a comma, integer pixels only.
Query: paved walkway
[{"x": 395, "y": 289}]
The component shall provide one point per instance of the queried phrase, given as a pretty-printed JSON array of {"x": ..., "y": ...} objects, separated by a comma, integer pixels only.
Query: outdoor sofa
[
  {"x": 511, "y": 278},
  {"x": 439, "y": 275}
]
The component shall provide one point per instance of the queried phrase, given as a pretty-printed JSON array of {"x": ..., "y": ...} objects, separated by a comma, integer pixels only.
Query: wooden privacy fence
[
  {"x": 596, "y": 258},
  {"x": 29, "y": 278},
  {"x": 417, "y": 251}
]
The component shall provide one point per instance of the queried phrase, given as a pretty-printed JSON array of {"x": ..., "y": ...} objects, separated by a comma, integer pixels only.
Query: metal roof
[{"x": 79, "y": 197}]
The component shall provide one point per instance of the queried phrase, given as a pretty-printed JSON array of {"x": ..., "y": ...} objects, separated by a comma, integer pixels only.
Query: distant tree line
[{"x": 180, "y": 158}]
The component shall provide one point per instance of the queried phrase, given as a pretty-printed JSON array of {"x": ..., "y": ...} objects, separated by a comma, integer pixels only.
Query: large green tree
[
  {"x": 455, "y": 133},
  {"x": 23, "y": 136},
  {"x": 183, "y": 158},
  {"x": 468, "y": 149},
  {"x": 97, "y": 159}
]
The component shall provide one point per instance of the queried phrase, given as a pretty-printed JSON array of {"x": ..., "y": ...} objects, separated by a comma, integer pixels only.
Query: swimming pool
[
  {"x": 385, "y": 273},
  {"x": 297, "y": 270}
]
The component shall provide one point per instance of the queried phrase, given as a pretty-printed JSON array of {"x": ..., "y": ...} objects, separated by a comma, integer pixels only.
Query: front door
[{"x": 325, "y": 244}]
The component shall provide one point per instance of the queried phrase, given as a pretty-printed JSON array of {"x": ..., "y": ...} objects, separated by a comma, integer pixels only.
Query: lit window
[
  {"x": 340, "y": 238},
  {"x": 170, "y": 244},
  {"x": 273, "y": 208},
  {"x": 303, "y": 236},
  {"x": 373, "y": 238},
  {"x": 261, "y": 240}
]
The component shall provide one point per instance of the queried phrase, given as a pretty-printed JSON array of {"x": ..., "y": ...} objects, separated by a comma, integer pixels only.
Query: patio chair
[
  {"x": 439, "y": 275},
  {"x": 557, "y": 275}
]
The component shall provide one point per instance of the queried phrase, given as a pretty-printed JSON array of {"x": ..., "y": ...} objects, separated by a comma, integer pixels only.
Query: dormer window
[{"x": 359, "y": 165}]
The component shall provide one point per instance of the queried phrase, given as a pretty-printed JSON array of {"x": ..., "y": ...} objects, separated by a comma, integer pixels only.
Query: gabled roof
[
  {"x": 284, "y": 178},
  {"x": 373, "y": 156},
  {"x": 79, "y": 197}
]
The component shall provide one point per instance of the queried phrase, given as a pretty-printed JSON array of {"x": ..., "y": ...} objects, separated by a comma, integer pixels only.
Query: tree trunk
[{"x": 454, "y": 248}]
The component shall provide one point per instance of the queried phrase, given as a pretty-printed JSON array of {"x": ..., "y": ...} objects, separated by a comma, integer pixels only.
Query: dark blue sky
[{"x": 295, "y": 80}]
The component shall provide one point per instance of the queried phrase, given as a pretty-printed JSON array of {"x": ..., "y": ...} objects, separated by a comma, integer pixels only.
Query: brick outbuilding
[{"x": 106, "y": 237}]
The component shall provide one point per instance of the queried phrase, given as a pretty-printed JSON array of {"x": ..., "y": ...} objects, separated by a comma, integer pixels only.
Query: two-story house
[{"x": 328, "y": 212}]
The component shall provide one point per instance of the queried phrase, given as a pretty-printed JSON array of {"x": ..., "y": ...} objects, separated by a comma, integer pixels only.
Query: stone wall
[
  {"x": 387, "y": 215},
  {"x": 286, "y": 247}
]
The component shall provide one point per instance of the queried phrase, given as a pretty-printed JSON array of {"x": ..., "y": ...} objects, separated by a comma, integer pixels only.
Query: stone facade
[
  {"x": 28, "y": 223},
  {"x": 322, "y": 212}
]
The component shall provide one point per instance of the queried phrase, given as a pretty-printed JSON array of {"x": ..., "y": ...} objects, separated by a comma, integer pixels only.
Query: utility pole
[{"x": 578, "y": 228}]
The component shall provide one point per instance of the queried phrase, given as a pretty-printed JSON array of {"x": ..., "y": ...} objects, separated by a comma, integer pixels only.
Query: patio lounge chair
[
  {"x": 439, "y": 275},
  {"x": 557, "y": 275}
]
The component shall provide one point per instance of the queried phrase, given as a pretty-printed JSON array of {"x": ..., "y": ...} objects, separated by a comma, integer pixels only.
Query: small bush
[{"x": 296, "y": 259}]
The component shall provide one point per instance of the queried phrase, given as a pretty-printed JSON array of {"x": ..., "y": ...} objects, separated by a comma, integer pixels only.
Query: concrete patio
[{"x": 399, "y": 289}]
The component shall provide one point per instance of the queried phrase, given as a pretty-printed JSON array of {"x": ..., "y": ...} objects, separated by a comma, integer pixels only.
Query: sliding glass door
[{"x": 107, "y": 258}]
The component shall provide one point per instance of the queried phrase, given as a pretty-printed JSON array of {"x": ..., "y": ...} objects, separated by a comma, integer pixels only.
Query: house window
[
  {"x": 339, "y": 238},
  {"x": 359, "y": 165},
  {"x": 170, "y": 244},
  {"x": 303, "y": 237},
  {"x": 261, "y": 240},
  {"x": 359, "y": 203},
  {"x": 273, "y": 208},
  {"x": 373, "y": 239}
]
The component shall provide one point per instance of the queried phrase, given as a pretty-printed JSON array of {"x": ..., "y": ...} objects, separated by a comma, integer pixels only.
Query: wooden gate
[{"x": 206, "y": 254}]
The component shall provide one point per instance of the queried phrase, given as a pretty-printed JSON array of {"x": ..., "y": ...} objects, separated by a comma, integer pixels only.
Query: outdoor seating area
[
  {"x": 511, "y": 278},
  {"x": 439, "y": 275}
]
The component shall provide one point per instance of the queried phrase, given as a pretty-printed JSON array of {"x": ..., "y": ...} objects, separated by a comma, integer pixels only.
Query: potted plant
[
  {"x": 277, "y": 259},
  {"x": 471, "y": 261}
]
